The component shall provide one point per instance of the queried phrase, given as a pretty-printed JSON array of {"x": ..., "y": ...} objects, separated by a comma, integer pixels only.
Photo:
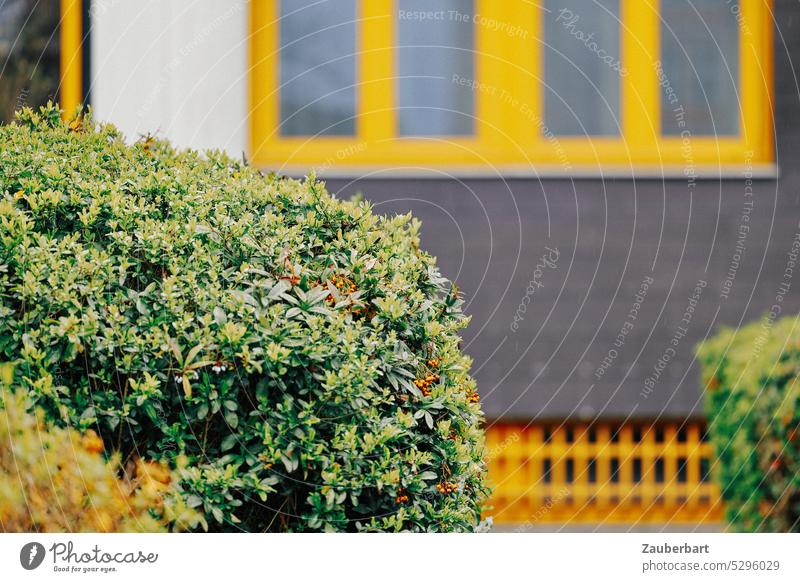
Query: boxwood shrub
[
  {"x": 753, "y": 404},
  {"x": 301, "y": 351}
]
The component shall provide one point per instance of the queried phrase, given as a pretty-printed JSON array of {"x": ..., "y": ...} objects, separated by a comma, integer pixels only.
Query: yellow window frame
[{"x": 509, "y": 127}]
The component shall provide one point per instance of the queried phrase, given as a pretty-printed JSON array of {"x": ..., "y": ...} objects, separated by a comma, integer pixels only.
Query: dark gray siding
[{"x": 610, "y": 235}]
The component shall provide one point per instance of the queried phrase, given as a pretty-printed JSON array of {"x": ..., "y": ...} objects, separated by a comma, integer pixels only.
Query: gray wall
[{"x": 489, "y": 235}]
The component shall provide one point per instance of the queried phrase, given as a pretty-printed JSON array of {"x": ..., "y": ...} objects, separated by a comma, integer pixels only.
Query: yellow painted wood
[
  {"x": 693, "y": 454},
  {"x": 508, "y": 87},
  {"x": 671, "y": 453},
  {"x": 516, "y": 454},
  {"x": 640, "y": 97},
  {"x": 375, "y": 94},
  {"x": 264, "y": 78},
  {"x": 580, "y": 455},
  {"x": 625, "y": 450},
  {"x": 602, "y": 454},
  {"x": 558, "y": 454},
  {"x": 648, "y": 456},
  {"x": 71, "y": 57},
  {"x": 513, "y": 72},
  {"x": 755, "y": 66}
]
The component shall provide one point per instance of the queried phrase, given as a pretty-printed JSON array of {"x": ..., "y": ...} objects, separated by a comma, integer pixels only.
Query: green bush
[
  {"x": 300, "y": 351},
  {"x": 753, "y": 405}
]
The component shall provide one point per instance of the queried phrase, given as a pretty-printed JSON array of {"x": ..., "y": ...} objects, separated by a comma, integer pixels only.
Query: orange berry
[{"x": 92, "y": 442}]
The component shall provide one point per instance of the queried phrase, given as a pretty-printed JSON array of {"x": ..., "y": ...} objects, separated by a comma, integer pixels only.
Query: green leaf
[
  {"x": 220, "y": 316},
  {"x": 187, "y": 386},
  {"x": 217, "y": 513},
  {"x": 191, "y": 355},
  {"x": 429, "y": 420},
  {"x": 229, "y": 442},
  {"x": 279, "y": 289},
  {"x": 232, "y": 419}
]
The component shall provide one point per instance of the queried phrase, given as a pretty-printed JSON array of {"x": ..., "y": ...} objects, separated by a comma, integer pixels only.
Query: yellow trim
[
  {"x": 71, "y": 58},
  {"x": 640, "y": 104},
  {"x": 510, "y": 131},
  {"x": 756, "y": 71},
  {"x": 263, "y": 76},
  {"x": 522, "y": 494},
  {"x": 509, "y": 97},
  {"x": 375, "y": 91}
]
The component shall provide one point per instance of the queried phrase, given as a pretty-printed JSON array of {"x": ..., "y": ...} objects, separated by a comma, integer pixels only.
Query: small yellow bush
[{"x": 56, "y": 480}]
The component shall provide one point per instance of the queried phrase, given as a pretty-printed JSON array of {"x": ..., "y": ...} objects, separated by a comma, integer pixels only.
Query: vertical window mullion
[
  {"x": 641, "y": 100},
  {"x": 505, "y": 65},
  {"x": 531, "y": 78},
  {"x": 756, "y": 78},
  {"x": 377, "y": 70}
]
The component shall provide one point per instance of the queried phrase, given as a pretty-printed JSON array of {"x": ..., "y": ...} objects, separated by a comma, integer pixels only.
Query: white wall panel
[{"x": 175, "y": 67}]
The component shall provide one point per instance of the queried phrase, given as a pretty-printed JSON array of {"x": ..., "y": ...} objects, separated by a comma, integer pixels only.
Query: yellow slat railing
[{"x": 601, "y": 473}]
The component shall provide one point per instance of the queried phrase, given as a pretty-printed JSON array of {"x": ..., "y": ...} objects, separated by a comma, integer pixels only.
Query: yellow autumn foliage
[{"x": 57, "y": 480}]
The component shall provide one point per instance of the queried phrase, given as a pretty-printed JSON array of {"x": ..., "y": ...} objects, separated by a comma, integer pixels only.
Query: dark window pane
[
  {"x": 700, "y": 62},
  {"x": 682, "y": 470},
  {"x": 570, "y": 470},
  {"x": 705, "y": 470},
  {"x": 435, "y": 65},
  {"x": 659, "y": 470},
  {"x": 614, "y": 470},
  {"x": 637, "y": 470},
  {"x": 317, "y": 67},
  {"x": 582, "y": 66},
  {"x": 547, "y": 467}
]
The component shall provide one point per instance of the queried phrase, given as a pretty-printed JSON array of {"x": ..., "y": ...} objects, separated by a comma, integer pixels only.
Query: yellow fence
[{"x": 602, "y": 473}]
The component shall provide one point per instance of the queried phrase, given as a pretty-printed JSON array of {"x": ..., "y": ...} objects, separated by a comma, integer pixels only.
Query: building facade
[{"x": 607, "y": 181}]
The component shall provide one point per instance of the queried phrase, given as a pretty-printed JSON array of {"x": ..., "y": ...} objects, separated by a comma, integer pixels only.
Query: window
[
  {"x": 317, "y": 67},
  {"x": 430, "y": 54},
  {"x": 547, "y": 470},
  {"x": 582, "y": 67},
  {"x": 700, "y": 56},
  {"x": 557, "y": 84}
]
